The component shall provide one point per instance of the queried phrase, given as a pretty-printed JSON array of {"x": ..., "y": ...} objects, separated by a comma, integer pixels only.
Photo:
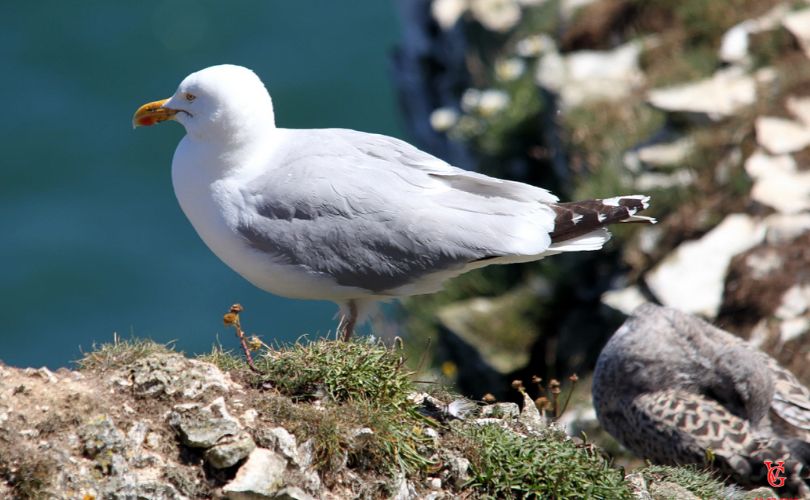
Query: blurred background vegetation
[{"x": 563, "y": 94}]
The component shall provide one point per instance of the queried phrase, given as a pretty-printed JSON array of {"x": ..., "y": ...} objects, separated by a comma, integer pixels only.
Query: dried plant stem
[
  {"x": 573, "y": 378},
  {"x": 232, "y": 319}
]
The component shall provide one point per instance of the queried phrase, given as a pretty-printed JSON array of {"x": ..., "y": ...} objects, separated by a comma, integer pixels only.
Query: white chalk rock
[
  {"x": 261, "y": 476},
  {"x": 448, "y": 12},
  {"x": 691, "y": 278},
  {"x": 649, "y": 181},
  {"x": 735, "y": 42},
  {"x": 734, "y": 45},
  {"x": 724, "y": 94},
  {"x": 780, "y": 135},
  {"x": 624, "y": 300},
  {"x": 783, "y": 228},
  {"x": 667, "y": 153},
  {"x": 786, "y": 193},
  {"x": 760, "y": 164},
  {"x": 496, "y": 15},
  {"x": 777, "y": 182},
  {"x": 590, "y": 75}
]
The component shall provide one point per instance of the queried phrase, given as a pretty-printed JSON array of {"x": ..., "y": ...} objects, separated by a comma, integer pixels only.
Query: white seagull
[{"x": 348, "y": 216}]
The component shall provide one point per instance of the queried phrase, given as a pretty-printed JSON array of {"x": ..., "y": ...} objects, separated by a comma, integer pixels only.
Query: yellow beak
[{"x": 152, "y": 113}]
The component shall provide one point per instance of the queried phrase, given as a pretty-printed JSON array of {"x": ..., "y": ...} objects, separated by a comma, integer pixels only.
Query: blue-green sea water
[{"x": 92, "y": 241}]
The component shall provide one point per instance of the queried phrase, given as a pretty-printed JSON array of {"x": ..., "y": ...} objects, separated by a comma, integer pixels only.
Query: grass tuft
[
  {"x": 119, "y": 353},
  {"x": 366, "y": 386},
  {"x": 359, "y": 385},
  {"x": 508, "y": 465},
  {"x": 224, "y": 360},
  {"x": 398, "y": 441},
  {"x": 345, "y": 371},
  {"x": 358, "y": 433},
  {"x": 320, "y": 425},
  {"x": 702, "y": 482}
]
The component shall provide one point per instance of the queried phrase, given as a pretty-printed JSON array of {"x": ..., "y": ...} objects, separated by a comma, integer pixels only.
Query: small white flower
[
  {"x": 533, "y": 46},
  {"x": 507, "y": 70},
  {"x": 442, "y": 119},
  {"x": 447, "y": 12},
  {"x": 470, "y": 100},
  {"x": 492, "y": 101},
  {"x": 496, "y": 15},
  {"x": 484, "y": 102}
]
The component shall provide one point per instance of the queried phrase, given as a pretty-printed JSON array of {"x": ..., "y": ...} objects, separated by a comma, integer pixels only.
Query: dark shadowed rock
[{"x": 767, "y": 301}]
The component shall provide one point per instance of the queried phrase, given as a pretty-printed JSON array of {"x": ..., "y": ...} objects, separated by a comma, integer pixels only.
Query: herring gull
[{"x": 348, "y": 216}]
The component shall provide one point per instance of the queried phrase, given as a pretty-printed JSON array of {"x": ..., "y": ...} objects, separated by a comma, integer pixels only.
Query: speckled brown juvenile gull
[{"x": 676, "y": 390}]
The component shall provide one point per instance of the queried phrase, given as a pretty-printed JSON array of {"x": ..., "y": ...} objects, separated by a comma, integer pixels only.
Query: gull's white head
[{"x": 223, "y": 103}]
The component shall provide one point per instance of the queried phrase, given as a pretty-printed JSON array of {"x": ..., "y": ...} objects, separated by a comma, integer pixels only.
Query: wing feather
[{"x": 376, "y": 213}]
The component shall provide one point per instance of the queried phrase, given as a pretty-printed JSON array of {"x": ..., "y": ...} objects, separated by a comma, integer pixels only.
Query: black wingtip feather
[{"x": 577, "y": 218}]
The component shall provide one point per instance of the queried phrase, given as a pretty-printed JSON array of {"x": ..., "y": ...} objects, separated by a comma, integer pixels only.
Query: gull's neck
[
  {"x": 243, "y": 137},
  {"x": 226, "y": 154},
  {"x": 237, "y": 135}
]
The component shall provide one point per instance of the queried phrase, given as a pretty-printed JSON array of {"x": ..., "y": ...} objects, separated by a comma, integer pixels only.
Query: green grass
[
  {"x": 343, "y": 371},
  {"x": 224, "y": 360},
  {"x": 362, "y": 389},
  {"x": 359, "y": 370},
  {"x": 701, "y": 482},
  {"x": 367, "y": 386},
  {"x": 119, "y": 353},
  {"x": 359, "y": 384},
  {"x": 397, "y": 443},
  {"x": 507, "y": 465},
  {"x": 322, "y": 426},
  {"x": 599, "y": 134}
]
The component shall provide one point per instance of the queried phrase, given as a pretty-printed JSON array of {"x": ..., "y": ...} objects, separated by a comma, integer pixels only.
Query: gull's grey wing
[
  {"x": 399, "y": 153},
  {"x": 377, "y": 214}
]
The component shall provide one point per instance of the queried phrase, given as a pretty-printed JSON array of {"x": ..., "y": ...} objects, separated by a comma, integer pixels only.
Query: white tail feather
[{"x": 590, "y": 241}]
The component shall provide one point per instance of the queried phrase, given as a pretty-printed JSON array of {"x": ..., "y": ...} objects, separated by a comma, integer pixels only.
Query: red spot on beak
[{"x": 152, "y": 113}]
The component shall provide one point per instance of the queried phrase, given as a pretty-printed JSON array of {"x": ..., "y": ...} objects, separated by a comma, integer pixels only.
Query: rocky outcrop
[
  {"x": 158, "y": 425},
  {"x": 162, "y": 427},
  {"x": 95, "y": 433}
]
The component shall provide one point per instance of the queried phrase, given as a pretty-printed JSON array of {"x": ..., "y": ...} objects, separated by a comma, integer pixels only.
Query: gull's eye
[{"x": 190, "y": 97}]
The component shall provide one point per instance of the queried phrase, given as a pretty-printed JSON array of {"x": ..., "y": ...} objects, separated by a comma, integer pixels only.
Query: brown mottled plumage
[{"x": 676, "y": 390}]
